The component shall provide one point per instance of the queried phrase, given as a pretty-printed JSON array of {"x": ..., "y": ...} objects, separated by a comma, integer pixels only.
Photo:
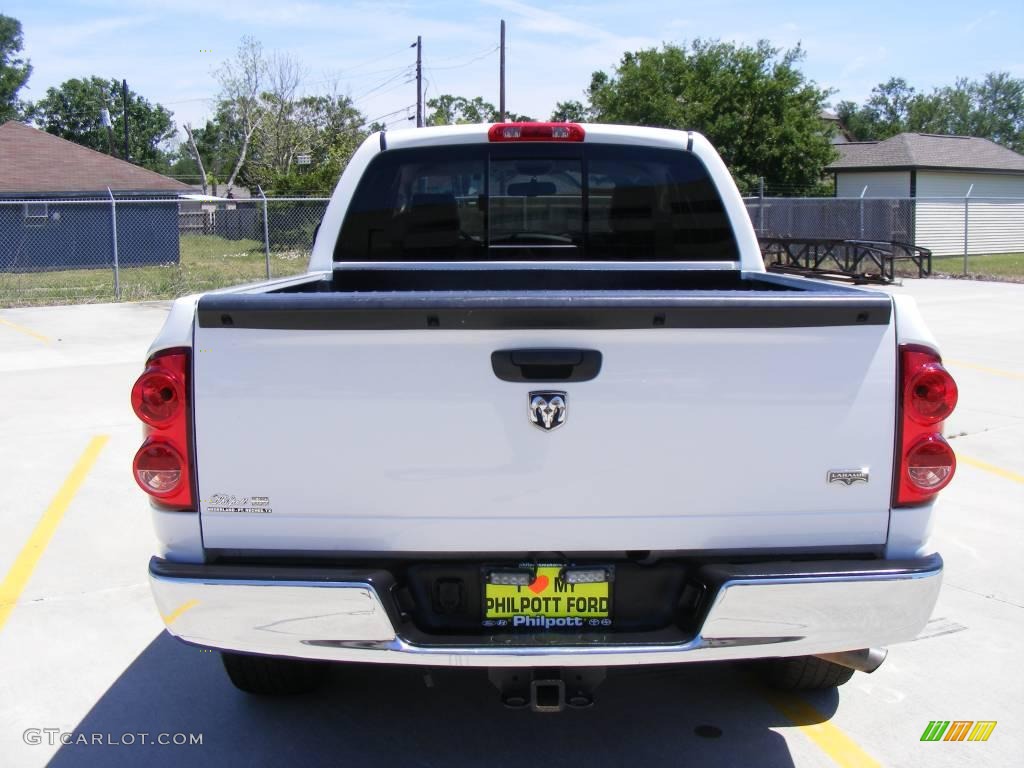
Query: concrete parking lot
[{"x": 82, "y": 650}]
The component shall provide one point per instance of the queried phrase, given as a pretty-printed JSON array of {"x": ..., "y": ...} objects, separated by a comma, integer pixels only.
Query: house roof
[
  {"x": 906, "y": 151},
  {"x": 928, "y": 150},
  {"x": 840, "y": 135},
  {"x": 33, "y": 162}
]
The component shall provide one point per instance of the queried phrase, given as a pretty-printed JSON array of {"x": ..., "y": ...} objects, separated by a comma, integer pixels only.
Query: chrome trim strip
[{"x": 750, "y": 618}]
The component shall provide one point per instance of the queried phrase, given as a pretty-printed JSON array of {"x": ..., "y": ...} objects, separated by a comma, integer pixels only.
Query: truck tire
[
  {"x": 273, "y": 676},
  {"x": 803, "y": 673}
]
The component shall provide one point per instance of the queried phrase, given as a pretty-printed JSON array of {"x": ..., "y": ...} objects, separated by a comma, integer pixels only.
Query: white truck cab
[{"x": 537, "y": 404}]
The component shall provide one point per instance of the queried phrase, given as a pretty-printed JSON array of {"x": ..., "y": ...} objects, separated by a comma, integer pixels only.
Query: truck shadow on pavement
[{"x": 367, "y": 715}]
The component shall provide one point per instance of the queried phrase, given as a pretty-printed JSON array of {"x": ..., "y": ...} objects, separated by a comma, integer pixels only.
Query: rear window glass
[{"x": 554, "y": 202}]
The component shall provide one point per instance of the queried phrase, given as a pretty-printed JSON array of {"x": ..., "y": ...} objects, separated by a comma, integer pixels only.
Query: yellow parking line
[
  {"x": 26, "y": 331},
  {"x": 831, "y": 739},
  {"x": 174, "y": 615},
  {"x": 984, "y": 465},
  {"x": 19, "y": 574},
  {"x": 985, "y": 368}
]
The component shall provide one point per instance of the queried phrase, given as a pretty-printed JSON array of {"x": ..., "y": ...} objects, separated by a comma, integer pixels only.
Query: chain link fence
[
  {"x": 105, "y": 249},
  {"x": 132, "y": 249},
  {"x": 884, "y": 219},
  {"x": 947, "y": 226}
]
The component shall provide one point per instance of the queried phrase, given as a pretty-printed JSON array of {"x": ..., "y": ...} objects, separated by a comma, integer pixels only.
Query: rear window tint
[{"x": 577, "y": 202}]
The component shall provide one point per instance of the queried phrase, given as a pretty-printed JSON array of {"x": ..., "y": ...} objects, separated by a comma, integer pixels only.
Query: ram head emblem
[{"x": 548, "y": 409}]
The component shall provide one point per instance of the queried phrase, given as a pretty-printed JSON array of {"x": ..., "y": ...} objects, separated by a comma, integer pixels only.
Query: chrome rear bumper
[{"x": 761, "y": 610}]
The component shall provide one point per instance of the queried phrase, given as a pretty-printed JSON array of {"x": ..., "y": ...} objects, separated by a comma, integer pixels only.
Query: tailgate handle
[{"x": 546, "y": 364}]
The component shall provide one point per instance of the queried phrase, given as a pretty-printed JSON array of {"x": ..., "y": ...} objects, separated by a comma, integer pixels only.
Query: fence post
[
  {"x": 117, "y": 269},
  {"x": 266, "y": 231},
  {"x": 760, "y": 208},
  {"x": 862, "y": 193},
  {"x": 967, "y": 206}
]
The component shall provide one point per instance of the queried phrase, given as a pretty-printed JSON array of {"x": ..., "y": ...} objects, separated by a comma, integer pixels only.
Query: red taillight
[
  {"x": 931, "y": 393},
  {"x": 931, "y": 464},
  {"x": 927, "y": 395},
  {"x": 159, "y": 468},
  {"x": 536, "y": 132},
  {"x": 157, "y": 396},
  {"x": 160, "y": 398}
]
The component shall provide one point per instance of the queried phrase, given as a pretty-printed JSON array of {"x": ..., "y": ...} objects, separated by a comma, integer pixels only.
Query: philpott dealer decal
[{"x": 226, "y": 502}]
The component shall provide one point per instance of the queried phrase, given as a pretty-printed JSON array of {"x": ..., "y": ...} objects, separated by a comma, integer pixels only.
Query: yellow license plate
[{"x": 548, "y": 603}]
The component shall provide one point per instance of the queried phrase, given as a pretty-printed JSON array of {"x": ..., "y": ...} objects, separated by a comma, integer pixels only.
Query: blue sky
[{"x": 161, "y": 46}]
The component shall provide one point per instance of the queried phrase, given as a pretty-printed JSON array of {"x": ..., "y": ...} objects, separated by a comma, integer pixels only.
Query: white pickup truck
[{"x": 537, "y": 407}]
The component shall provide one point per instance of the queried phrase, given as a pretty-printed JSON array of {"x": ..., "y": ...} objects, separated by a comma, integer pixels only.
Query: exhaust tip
[{"x": 862, "y": 660}]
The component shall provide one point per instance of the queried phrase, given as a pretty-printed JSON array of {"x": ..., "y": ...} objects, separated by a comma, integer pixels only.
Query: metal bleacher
[{"x": 858, "y": 261}]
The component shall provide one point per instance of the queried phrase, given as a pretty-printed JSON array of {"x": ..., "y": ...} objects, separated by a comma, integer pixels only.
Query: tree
[
  {"x": 255, "y": 141},
  {"x": 999, "y": 109},
  {"x": 571, "y": 112},
  {"x": 327, "y": 128},
  {"x": 447, "y": 109},
  {"x": 14, "y": 70},
  {"x": 241, "y": 85},
  {"x": 215, "y": 151},
  {"x": 73, "y": 112},
  {"x": 197, "y": 156},
  {"x": 891, "y": 104},
  {"x": 990, "y": 108},
  {"x": 890, "y": 109},
  {"x": 279, "y": 134},
  {"x": 752, "y": 103}
]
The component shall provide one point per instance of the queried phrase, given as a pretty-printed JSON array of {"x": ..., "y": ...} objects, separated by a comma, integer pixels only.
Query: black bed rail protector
[{"x": 550, "y": 310}]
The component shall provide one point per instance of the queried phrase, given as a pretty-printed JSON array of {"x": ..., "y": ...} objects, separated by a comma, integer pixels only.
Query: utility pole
[
  {"x": 124, "y": 106},
  {"x": 501, "y": 77},
  {"x": 419, "y": 81}
]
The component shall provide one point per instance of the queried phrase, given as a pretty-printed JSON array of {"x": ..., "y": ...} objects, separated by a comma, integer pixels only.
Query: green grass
[
  {"x": 1003, "y": 266},
  {"x": 210, "y": 262},
  {"x": 206, "y": 262}
]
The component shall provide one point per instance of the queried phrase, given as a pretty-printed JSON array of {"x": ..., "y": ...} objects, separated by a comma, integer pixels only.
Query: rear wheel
[
  {"x": 273, "y": 676},
  {"x": 803, "y": 673}
]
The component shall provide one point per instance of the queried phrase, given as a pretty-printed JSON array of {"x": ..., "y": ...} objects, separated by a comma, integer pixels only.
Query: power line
[
  {"x": 389, "y": 90},
  {"x": 395, "y": 72},
  {"x": 434, "y": 80},
  {"x": 463, "y": 55},
  {"x": 374, "y": 61},
  {"x": 364, "y": 94},
  {"x": 361, "y": 76},
  {"x": 471, "y": 61},
  {"x": 389, "y": 114}
]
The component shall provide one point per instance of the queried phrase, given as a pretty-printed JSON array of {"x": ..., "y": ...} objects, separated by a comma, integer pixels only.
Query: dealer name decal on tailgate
[{"x": 228, "y": 503}]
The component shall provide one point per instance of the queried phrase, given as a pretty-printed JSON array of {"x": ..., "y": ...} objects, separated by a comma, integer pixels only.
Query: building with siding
[
  {"x": 47, "y": 223},
  {"x": 837, "y": 131},
  {"x": 968, "y": 192}
]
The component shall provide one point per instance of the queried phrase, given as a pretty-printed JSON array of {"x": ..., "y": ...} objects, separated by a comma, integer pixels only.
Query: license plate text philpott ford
[{"x": 548, "y": 603}]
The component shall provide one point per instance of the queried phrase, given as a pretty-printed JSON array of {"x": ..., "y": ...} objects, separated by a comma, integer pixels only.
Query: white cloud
[
  {"x": 862, "y": 61},
  {"x": 49, "y": 38},
  {"x": 546, "y": 22},
  {"x": 359, "y": 24},
  {"x": 972, "y": 25}
]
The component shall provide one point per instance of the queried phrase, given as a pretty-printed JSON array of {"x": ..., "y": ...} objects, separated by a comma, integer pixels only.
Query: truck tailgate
[{"x": 317, "y": 432}]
